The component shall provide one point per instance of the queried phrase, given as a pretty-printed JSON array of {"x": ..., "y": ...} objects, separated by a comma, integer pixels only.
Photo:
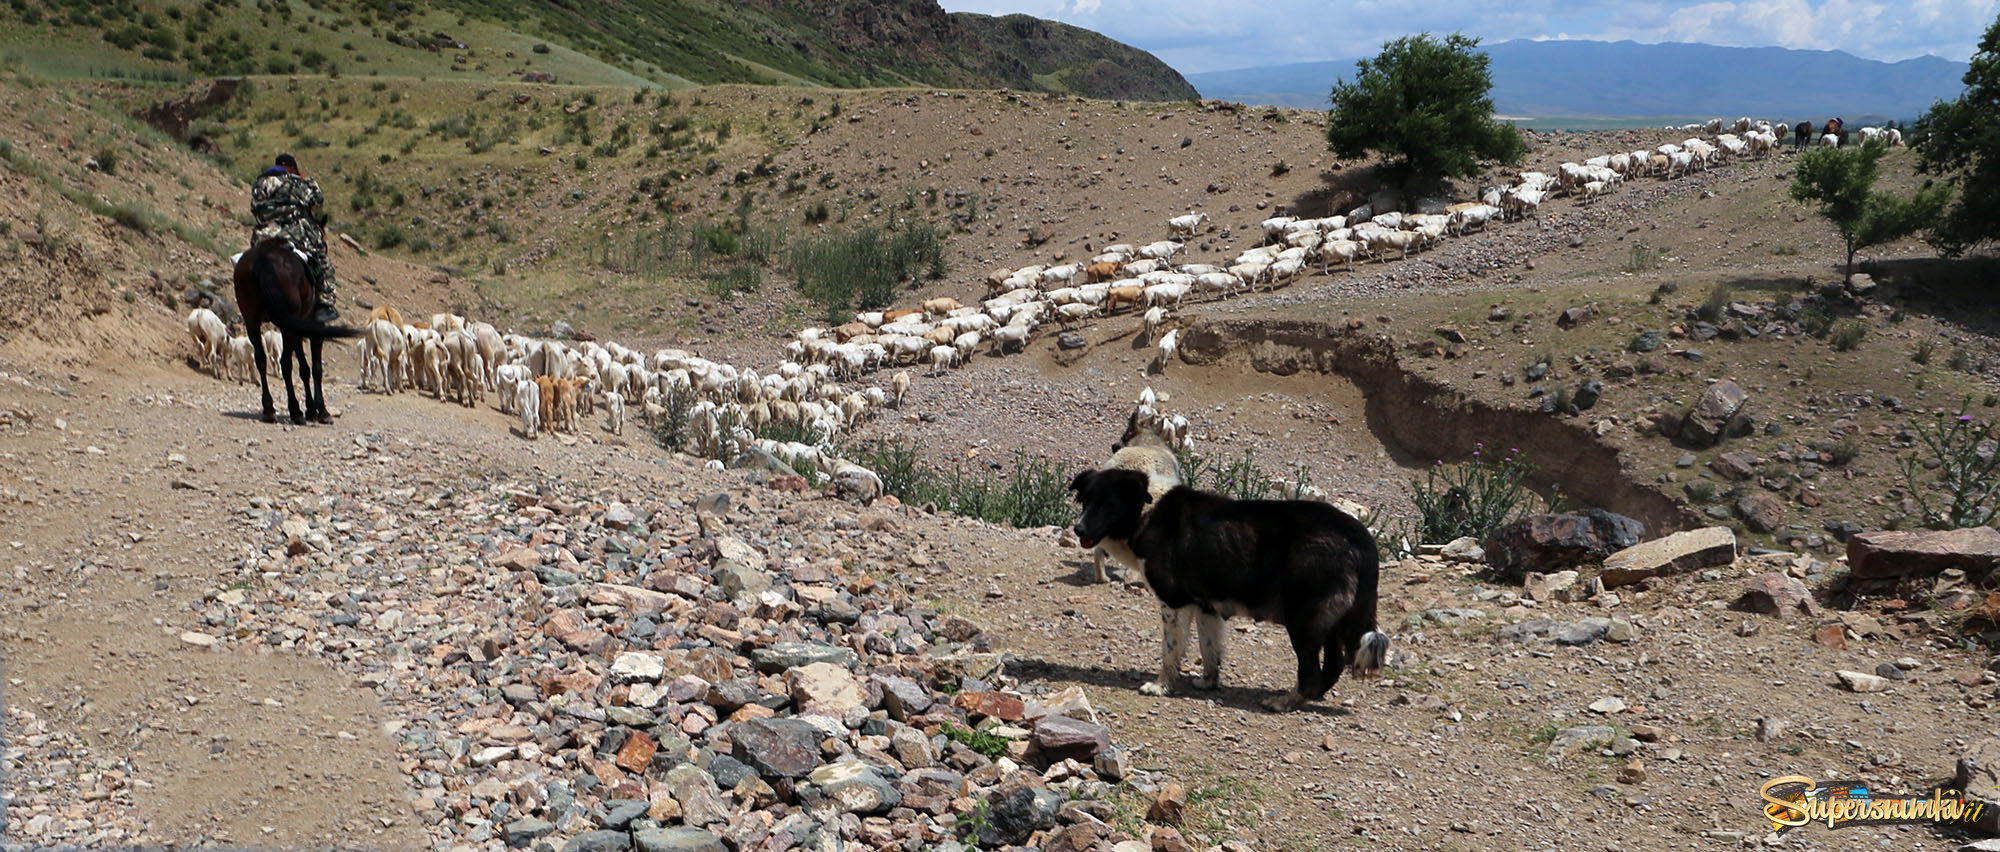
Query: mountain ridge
[{"x": 1578, "y": 78}]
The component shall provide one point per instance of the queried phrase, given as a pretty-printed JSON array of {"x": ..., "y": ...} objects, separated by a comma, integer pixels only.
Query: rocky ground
[
  {"x": 551, "y": 644},
  {"x": 414, "y": 629}
]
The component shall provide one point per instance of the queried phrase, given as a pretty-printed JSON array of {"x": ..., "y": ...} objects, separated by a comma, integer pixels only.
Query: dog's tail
[{"x": 1373, "y": 653}]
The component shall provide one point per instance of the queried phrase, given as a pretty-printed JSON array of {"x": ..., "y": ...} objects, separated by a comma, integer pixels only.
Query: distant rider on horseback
[{"x": 287, "y": 204}]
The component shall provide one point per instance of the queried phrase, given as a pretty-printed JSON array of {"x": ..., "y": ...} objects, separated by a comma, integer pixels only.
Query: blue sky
[{"x": 1212, "y": 35}]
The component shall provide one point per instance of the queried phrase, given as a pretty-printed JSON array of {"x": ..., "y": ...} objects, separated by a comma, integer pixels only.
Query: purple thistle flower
[{"x": 1965, "y": 418}]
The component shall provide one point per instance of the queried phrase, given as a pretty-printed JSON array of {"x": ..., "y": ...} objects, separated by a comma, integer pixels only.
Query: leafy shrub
[
  {"x": 1959, "y": 492},
  {"x": 107, "y": 161},
  {"x": 988, "y": 744},
  {"x": 1030, "y": 492},
  {"x": 1847, "y": 335},
  {"x": 861, "y": 270},
  {"x": 1241, "y": 478},
  {"x": 1844, "y": 450},
  {"x": 1922, "y": 355},
  {"x": 388, "y": 237},
  {"x": 1473, "y": 498},
  {"x": 672, "y": 429},
  {"x": 1816, "y": 321},
  {"x": 1644, "y": 258}
]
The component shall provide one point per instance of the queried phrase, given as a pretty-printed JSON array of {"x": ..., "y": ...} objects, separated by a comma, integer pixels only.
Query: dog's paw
[
  {"x": 1153, "y": 687},
  {"x": 1285, "y": 703},
  {"x": 1206, "y": 682}
]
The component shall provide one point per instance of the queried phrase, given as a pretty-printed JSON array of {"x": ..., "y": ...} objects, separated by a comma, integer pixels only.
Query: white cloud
[{"x": 1207, "y": 35}]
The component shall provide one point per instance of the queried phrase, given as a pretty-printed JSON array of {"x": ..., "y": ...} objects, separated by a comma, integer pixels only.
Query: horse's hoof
[
  {"x": 298, "y": 420},
  {"x": 270, "y": 417},
  {"x": 323, "y": 418}
]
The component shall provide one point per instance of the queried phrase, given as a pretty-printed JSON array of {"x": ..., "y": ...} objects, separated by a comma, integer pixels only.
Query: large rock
[
  {"x": 599, "y": 841},
  {"x": 678, "y": 839},
  {"x": 824, "y": 689},
  {"x": 1016, "y": 811},
  {"x": 854, "y": 787},
  {"x": 1979, "y": 777},
  {"x": 1898, "y": 553},
  {"x": 1547, "y": 543},
  {"x": 1672, "y": 554},
  {"x": 1762, "y": 511},
  {"x": 701, "y": 803},
  {"x": 790, "y": 655},
  {"x": 1778, "y": 594},
  {"x": 1060, "y": 737},
  {"x": 902, "y": 697},
  {"x": 633, "y": 667},
  {"x": 777, "y": 748},
  {"x": 1709, "y": 417}
]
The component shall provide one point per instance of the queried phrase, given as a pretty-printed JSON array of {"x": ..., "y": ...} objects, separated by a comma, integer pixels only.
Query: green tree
[
  {"x": 1842, "y": 182},
  {"x": 1959, "y": 140},
  {"x": 1425, "y": 104}
]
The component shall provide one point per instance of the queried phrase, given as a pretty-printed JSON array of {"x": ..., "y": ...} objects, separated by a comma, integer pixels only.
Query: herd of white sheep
[{"x": 551, "y": 384}]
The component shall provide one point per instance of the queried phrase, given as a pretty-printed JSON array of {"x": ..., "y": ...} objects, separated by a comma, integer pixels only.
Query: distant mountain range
[{"x": 1595, "y": 79}]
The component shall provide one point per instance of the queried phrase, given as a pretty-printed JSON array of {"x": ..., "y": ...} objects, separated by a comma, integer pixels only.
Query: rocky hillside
[
  {"x": 1054, "y": 56},
  {"x": 676, "y": 43}
]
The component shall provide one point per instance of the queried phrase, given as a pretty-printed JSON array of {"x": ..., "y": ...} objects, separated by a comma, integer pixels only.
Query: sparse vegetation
[
  {"x": 1241, "y": 478},
  {"x": 1954, "y": 473},
  {"x": 862, "y": 270},
  {"x": 1922, "y": 354},
  {"x": 1644, "y": 258},
  {"x": 1846, "y": 335},
  {"x": 1474, "y": 498},
  {"x": 1030, "y": 492}
]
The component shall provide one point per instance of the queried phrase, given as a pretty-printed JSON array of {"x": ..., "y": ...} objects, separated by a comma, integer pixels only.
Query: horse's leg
[
  {"x": 292, "y": 351},
  {"x": 318, "y": 403},
  {"x": 263, "y": 375}
]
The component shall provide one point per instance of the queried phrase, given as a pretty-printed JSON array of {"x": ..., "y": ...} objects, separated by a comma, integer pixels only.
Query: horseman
[{"x": 287, "y": 204}]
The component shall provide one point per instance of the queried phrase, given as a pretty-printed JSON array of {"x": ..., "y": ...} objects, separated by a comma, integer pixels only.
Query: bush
[
  {"x": 107, "y": 161},
  {"x": 1241, "y": 479},
  {"x": 1644, "y": 258},
  {"x": 1474, "y": 498},
  {"x": 1848, "y": 335},
  {"x": 1030, "y": 492},
  {"x": 388, "y": 237},
  {"x": 862, "y": 269},
  {"x": 1922, "y": 355},
  {"x": 1844, "y": 450},
  {"x": 672, "y": 430},
  {"x": 1959, "y": 491}
]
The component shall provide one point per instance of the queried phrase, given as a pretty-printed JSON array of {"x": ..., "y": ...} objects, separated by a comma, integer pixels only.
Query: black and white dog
[{"x": 1299, "y": 563}]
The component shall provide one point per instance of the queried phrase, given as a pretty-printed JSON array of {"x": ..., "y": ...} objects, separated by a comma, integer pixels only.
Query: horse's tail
[{"x": 272, "y": 295}]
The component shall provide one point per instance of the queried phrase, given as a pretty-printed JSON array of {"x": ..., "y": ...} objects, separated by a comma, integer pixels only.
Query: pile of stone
[{"x": 583, "y": 674}]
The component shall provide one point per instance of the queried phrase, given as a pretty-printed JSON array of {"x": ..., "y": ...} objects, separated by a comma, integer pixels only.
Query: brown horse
[{"x": 271, "y": 284}]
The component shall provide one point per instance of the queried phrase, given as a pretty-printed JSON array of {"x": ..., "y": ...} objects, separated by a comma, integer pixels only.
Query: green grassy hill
[{"x": 671, "y": 43}]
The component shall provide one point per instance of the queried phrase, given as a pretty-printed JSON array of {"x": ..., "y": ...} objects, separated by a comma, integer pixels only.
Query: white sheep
[
  {"x": 1155, "y": 316},
  {"x": 1169, "y": 344},
  {"x": 899, "y": 385},
  {"x": 241, "y": 357},
  {"x": 1162, "y": 251},
  {"x": 614, "y": 409},
  {"x": 211, "y": 336},
  {"x": 1221, "y": 282},
  {"x": 1187, "y": 226},
  {"x": 942, "y": 358},
  {"x": 529, "y": 397},
  {"x": 1075, "y": 311}
]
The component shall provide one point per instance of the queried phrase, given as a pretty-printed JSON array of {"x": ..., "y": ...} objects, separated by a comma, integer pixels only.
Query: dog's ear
[
  {"x": 1082, "y": 481},
  {"x": 1137, "y": 486}
]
